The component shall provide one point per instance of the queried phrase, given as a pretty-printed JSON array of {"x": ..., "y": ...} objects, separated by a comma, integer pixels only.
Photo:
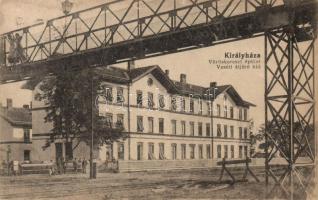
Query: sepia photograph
[{"x": 158, "y": 99}]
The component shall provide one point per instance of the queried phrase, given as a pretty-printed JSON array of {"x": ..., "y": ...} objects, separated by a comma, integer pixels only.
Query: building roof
[
  {"x": 17, "y": 116},
  {"x": 123, "y": 76}
]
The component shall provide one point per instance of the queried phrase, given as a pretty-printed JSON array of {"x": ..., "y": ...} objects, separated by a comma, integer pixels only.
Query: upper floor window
[
  {"x": 120, "y": 120},
  {"x": 208, "y": 104},
  {"x": 173, "y": 103},
  {"x": 231, "y": 112},
  {"x": 109, "y": 119},
  {"x": 139, "y": 98},
  {"x": 200, "y": 107},
  {"x": 120, "y": 95},
  {"x": 26, "y": 135},
  {"x": 219, "y": 132},
  {"x": 150, "y": 100},
  {"x": 174, "y": 127},
  {"x": 218, "y": 110},
  {"x": 183, "y": 151},
  {"x": 161, "y": 125},
  {"x": 191, "y": 105},
  {"x": 232, "y": 151},
  {"x": 161, "y": 101},
  {"x": 183, "y": 127},
  {"x": 225, "y": 131},
  {"x": 200, "y": 129},
  {"x": 140, "y": 125},
  {"x": 245, "y": 114},
  {"x": 192, "y": 128},
  {"x": 109, "y": 94},
  {"x": 121, "y": 151},
  {"x": 225, "y": 111},
  {"x": 240, "y": 133},
  {"x": 150, "y": 124},
  {"x": 192, "y": 151},
  {"x": 208, "y": 129},
  {"x": 240, "y": 114},
  {"x": 245, "y": 133},
  {"x": 232, "y": 131},
  {"x": 182, "y": 101},
  {"x": 219, "y": 151}
]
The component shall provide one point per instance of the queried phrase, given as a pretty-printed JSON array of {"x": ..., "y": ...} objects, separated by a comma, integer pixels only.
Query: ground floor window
[
  {"x": 225, "y": 151},
  {"x": 26, "y": 155},
  {"x": 151, "y": 151},
  {"x": 121, "y": 151},
  {"x": 192, "y": 151},
  {"x": 161, "y": 151},
  {"x": 208, "y": 151},
  {"x": 232, "y": 151},
  {"x": 183, "y": 151},
  {"x": 219, "y": 153},
  {"x": 173, "y": 151},
  {"x": 240, "y": 152},
  {"x": 200, "y": 151},
  {"x": 245, "y": 151},
  {"x": 139, "y": 150}
]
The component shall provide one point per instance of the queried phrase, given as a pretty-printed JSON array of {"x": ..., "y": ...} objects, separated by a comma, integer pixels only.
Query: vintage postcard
[{"x": 158, "y": 99}]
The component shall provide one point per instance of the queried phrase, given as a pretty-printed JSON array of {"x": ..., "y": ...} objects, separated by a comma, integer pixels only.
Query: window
[
  {"x": 231, "y": 113},
  {"x": 140, "y": 125},
  {"x": 150, "y": 100},
  {"x": 208, "y": 151},
  {"x": 232, "y": 151},
  {"x": 245, "y": 114},
  {"x": 208, "y": 104},
  {"x": 200, "y": 151},
  {"x": 192, "y": 128},
  {"x": 208, "y": 129},
  {"x": 225, "y": 111},
  {"x": 225, "y": 151},
  {"x": 192, "y": 151},
  {"x": 182, "y": 101},
  {"x": 200, "y": 129},
  {"x": 232, "y": 131},
  {"x": 120, "y": 120},
  {"x": 151, "y": 151},
  {"x": 150, "y": 124},
  {"x": 174, "y": 127},
  {"x": 183, "y": 127},
  {"x": 225, "y": 131},
  {"x": 240, "y": 152},
  {"x": 173, "y": 151},
  {"x": 219, "y": 132},
  {"x": 240, "y": 114},
  {"x": 200, "y": 107},
  {"x": 120, "y": 95},
  {"x": 161, "y": 125},
  {"x": 109, "y": 119},
  {"x": 173, "y": 103},
  {"x": 191, "y": 105},
  {"x": 161, "y": 101},
  {"x": 121, "y": 151},
  {"x": 245, "y": 133},
  {"x": 109, "y": 94},
  {"x": 26, "y": 155},
  {"x": 26, "y": 135},
  {"x": 162, "y": 151},
  {"x": 139, "y": 98},
  {"x": 245, "y": 151},
  {"x": 219, "y": 151},
  {"x": 139, "y": 150},
  {"x": 183, "y": 151},
  {"x": 218, "y": 110},
  {"x": 240, "y": 133}
]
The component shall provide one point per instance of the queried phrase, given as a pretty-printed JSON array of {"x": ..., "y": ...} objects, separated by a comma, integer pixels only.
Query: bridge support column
[{"x": 289, "y": 112}]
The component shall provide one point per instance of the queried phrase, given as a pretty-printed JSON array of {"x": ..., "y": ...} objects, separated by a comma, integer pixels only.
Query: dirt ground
[{"x": 185, "y": 184}]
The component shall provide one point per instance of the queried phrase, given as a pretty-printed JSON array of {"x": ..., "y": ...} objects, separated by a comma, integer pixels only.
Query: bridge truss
[{"x": 134, "y": 29}]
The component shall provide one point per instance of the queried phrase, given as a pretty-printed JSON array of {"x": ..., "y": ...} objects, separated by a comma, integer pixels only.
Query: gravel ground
[{"x": 186, "y": 184}]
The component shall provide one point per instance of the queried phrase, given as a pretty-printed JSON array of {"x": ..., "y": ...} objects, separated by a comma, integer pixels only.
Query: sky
[{"x": 194, "y": 63}]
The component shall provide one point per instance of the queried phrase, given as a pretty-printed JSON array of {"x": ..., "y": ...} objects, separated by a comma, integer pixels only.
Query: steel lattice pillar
[{"x": 289, "y": 112}]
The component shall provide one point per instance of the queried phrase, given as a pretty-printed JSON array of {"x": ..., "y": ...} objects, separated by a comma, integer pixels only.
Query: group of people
[{"x": 61, "y": 165}]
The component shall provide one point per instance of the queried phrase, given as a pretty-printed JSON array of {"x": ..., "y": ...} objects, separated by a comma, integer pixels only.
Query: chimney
[
  {"x": 131, "y": 65},
  {"x": 212, "y": 84},
  {"x": 9, "y": 103},
  {"x": 183, "y": 78},
  {"x": 26, "y": 106},
  {"x": 167, "y": 72}
]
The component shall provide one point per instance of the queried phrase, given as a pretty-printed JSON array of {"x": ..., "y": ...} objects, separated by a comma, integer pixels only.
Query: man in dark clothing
[
  {"x": 84, "y": 165},
  {"x": 75, "y": 165}
]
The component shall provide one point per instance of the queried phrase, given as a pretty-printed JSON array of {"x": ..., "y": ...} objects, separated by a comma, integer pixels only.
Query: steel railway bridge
[{"x": 125, "y": 30}]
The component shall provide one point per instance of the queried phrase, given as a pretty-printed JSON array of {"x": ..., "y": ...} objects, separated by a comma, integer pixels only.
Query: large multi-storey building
[{"x": 165, "y": 119}]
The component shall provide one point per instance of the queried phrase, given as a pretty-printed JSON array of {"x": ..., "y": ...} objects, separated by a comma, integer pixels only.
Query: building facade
[{"x": 165, "y": 119}]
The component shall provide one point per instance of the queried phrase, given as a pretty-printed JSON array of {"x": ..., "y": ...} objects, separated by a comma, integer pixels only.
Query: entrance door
[
  {"x": 139, "y": 151},
  {"x": 26, "y": 155},
  {"x": 58, "y": 151},
  {"x": 69, "y": 151}
]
